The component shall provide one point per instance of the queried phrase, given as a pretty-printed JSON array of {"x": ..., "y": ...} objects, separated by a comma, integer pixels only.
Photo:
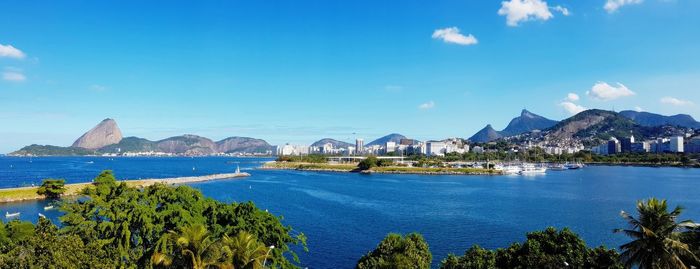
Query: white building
[
  {"x": 292, "y": 150},
  {"x": 390, "y": 147},
  {"x": 478, "y": 149},
  {"x": 435, "y": 148},
  {"x": 676, "y": 144},
  {"x": 359, "y": 145}
]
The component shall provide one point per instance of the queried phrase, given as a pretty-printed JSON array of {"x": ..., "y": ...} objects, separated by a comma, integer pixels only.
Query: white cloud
[
  {"x": 428, "y": 105},
  {"x": 517, "y": 11},
  {"x": 638, "y": 109},
  {"x": 13, "y": 76},
  {"x": 11, "y": 52},
  {"x": 606, "y": 92},
  {"x": 674, "y": 101},
  {"x": 572, "y": 97},
  {"x": 572, "y": 108},
  {"x": 452, "y": 35},
  {"x": 612, "y": 5}
]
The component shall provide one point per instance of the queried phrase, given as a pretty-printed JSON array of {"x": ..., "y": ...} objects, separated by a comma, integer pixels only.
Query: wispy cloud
[
  {"x": 517, "y": 11},
  {"x": 427, "y": 105},
  {"x": 572, "y": 97},
  {"x": 13, "y": 76},
  {"x": 613, "y": 5},
  {"x": 638, "y": 109},
  {"x": 675, "y": 101},
  {"x": 11, "y": 52},
  {"x": 606, "y": 92},
  {"x": 571, "y": 107},
  {"x": 452, "y": 35}
]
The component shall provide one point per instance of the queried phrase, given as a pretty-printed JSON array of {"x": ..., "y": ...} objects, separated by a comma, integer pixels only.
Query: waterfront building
[
  {"x": 641, "y": 147},
  {"x": 359, "y": 145},
  {"x": 693, "y": 145},
  {"x": 676, "y": 144},
  {"x": 614, "y": 146},
  {"x": 626, "y": 144},
  {"x": 435, "y": 148},
  {"x": 390, "y": 146}
]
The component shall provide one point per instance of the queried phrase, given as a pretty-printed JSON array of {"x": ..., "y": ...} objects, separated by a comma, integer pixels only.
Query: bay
[{"x": 344, "y": 215}]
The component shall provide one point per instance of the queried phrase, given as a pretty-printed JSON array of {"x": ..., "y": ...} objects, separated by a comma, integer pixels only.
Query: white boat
[
  {"x": 11, "y": 215},
  {"x": 557, "y": 167},
  {"x": 572, "y": 166},
  {"x": 508, "y": 169},
  {"x": 531, "y": 169},
  {"x": 48, "y": 207},
  {"x": 42, "y": 215}
]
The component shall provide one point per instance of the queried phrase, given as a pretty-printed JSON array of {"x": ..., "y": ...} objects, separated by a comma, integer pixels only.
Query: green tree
[
  {"x": 367, "y": 163},
  {"x": 104, "y": 182},
  {"x": 656, "y": 237},
  {"x": 52, "y": 188},
  {"x": 397, "y": 252},
  {"x": 244, "y": 251},
  {"x": 193, "y": 244},
  {"x": 475, "y": 257}
]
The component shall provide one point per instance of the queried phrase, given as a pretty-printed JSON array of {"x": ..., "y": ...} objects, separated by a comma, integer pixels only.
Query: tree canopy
[
  {"x": 396, "y": 251},
  {"x": 52, "y": 188}
]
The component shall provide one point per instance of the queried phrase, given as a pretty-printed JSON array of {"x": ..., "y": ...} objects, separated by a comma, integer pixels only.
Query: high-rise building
[
  {"x": 359, "y": 145},
  {"x": 626, "y": 144},
  {"x": 435, "y": 148},
  {"x": 614, "y": 146},
  {"x": 676, "y": 144},
  {"x": 390, "y": 146}
]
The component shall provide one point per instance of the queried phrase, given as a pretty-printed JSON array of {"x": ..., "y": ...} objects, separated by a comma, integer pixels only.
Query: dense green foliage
[
  {"x": 398, "y": 252},
  {"x": 542, "y": 249},
  {"x": 368, "y": 163},
  {"x": 658, "y": 241},
  {"x": 312, "y": 158},
  {"x": 117, "y": 226},
  {"x": 52, "y": 188},
  {"x": 48, "y": 150}
]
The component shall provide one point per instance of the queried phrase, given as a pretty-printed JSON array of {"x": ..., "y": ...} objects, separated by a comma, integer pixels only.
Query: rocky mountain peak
[{"x": 105, "y": 133}]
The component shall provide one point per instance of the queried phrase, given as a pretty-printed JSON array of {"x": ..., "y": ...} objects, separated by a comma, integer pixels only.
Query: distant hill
[
  {"x": 527, "y": 122},
  {"x": 107, "y": 138},
  {"x": 390, "y": 137},
  {"x": 105, "y": 133},
  {"x": 595, "y": 125},
  {"x": 486, "y": 134},
  {"x": 652, "y": 119},
  {"x": 336, "y": 143},
  {"x": 48, "y": 150},
  {"x": 131, "y": 144},
  {"x": 237, "y": 144}
]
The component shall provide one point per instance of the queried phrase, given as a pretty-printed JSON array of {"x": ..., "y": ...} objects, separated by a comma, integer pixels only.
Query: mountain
[
  {"x": 390, "y": 137},
  {"x": 105, "y": 133},
  {"x": 336, "y": 143},
  {"x": 594, "y": 125},
  {"x": 486, "y": 134},
  {"x": 527, "y": 122},
  {"x": 242, "y": 145},
  {"x": 187, "y": 144},
  {"x": 48, "y": 150},
  {"x": 651, "y": 119},
  {"x": 131, "y": 144}
]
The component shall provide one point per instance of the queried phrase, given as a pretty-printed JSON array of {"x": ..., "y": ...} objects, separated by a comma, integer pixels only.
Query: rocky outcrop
[
  {"x": 336, "y": 143},
  {"x": 105, "y": 133},
  {"x": 187, "y": 144},
  {"x": 487, "y": 134},
  {"x": 396, "y": 138},
  {"x": 527, "y": 122},
  {"x": 238, "y": 144}
]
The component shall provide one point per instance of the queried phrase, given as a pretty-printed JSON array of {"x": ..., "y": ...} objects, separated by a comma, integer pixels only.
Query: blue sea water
[{"x": 344, "y": 215}]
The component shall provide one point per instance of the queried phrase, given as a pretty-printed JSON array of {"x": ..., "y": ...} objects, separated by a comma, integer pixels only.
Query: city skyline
[{"x": 288, "y": 73}]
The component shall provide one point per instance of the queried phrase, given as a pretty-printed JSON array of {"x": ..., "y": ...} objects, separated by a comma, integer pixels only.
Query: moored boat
[{"x": 11, "y": 215}]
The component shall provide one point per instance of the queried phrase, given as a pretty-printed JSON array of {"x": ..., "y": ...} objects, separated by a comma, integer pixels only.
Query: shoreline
[
  {"x": 9, "y": 195},
  {"x": 347, "y": 168}
]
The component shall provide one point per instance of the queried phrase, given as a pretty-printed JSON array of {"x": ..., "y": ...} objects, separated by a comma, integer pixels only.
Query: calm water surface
[{"x": 345, "y": 215}]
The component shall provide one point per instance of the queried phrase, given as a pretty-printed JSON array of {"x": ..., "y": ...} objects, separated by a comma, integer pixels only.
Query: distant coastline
[
  {"x": 348, "y": 168},
  {"x": 8, "y": 195}
]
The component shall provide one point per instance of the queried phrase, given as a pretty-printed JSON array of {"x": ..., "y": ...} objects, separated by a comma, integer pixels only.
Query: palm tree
[
  {"x": 244, "y": 251},
  {"x": 656, "y": 237},
  {"x": 194, "y": 245}
]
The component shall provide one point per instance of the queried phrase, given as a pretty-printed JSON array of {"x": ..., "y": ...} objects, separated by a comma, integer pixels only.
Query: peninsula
[{"x": 30, "y": 193}]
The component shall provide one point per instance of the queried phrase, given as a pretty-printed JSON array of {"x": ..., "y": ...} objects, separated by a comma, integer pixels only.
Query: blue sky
[{"x": 298, "y": 71}]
